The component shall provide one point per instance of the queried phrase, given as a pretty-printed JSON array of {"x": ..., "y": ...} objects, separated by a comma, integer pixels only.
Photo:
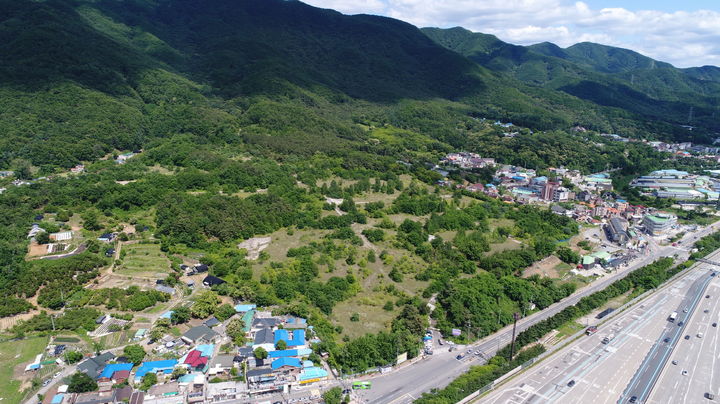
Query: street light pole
[{"x": 516, "y": 317}]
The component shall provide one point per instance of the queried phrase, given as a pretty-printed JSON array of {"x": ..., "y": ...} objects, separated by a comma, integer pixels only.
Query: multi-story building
[{"x": 659, "y": 223}]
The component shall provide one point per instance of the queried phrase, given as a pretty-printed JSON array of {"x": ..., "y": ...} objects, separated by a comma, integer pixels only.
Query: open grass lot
[
  {"x": 569, "y": 329},
  {"x": 144, "y": 260},
  {"x": 13, "y": 354},
  {"x": 509, "y": 244},
  {"x": 373, "y": 318}
]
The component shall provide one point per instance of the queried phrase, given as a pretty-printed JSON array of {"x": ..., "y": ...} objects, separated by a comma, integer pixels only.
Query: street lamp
[{"x": 516, "y": 317}]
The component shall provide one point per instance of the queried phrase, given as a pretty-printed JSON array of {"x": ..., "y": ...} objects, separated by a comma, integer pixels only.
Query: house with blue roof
[
  {"x": 312, "y": 374},
  {"x": 297, "y": 340},
  {"x": 164, "y": 366},
  {"x": 286, "y": 364},
  {"x": 243, "y": 308},
  {"x": 114, "y": 367},
  {"x": 289, "y": 353}
]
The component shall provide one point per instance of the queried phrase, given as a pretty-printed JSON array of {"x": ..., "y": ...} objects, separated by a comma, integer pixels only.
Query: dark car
[
  {"x": 680, "y": 324},
  {"x": 571, "y": 383},
  {"x": 687, "y": 337},
  {"x": 459, "y": 357},
  {"x": 666, "y": 340},
  {"x": 707, "y": 296},
  {"x": 714, "y": 324},
  {"x": 706, "y": 311},
  {"x": 633, "y": 399}
]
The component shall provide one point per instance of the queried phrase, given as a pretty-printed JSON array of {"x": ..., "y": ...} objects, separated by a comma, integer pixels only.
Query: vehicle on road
[
  {"x": 361, "y": 385},
  {"x": 633, "y": 399},
  {"x": 666, "y": 340},
  {"x": 706, "y": 311},
  {"x": 607, "y": 339},
  {"x": 699, "y": 335},
  {"x": 707, "y": 296},
  {"x": 714, "y": 324},
  {"x": 673, "y": 316},
  {"x": 710, "y": 396},
  {"x": 687, "y": 337},
  {"x": 440, "y": 341},
  {"x": 346, "y": 392},
  {"x": 591, "y": 330},
  {"x": 571, "y": 383},
  {"x": 674, "y": 362},
  {"x": 685, "y": 310},
  {"x": 459, "y": 357},
  {"x": 684, "y": 372}
]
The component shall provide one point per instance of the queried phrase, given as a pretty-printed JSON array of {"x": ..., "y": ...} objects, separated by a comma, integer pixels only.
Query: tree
[
  {"x": 157, "y": 333},
  {"x": 389, "y": 306},
  {"x": 180, "y": 315},
  {"x": 567, "y": 255},
  {"x": 81, "y": 383},
  {"x": 205, "y": 304},
  {"x": 281, "y": 345},
  {"x": 261, "y": 353},
  {"x": 224, "y": 312},
  {"x": 333, "y": 396},
  {"x": 355, "y": 317},
  {"x": 236, "y": 330},
  {"x": 42, "y": 238},
  {"x": 147, "y": 381},
  {"x": 135, "y": 353},
  {"x": 73, "y": 357},
  {"x": 177, "y": 372}
]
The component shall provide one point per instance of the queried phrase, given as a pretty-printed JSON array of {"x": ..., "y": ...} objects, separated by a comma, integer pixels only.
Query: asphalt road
[
  {"x": 437, "y": 371},
  {"x": 647, "y": 375},
  {"x": 699, "y": 357},
  {"x": 588, "y": 370}
]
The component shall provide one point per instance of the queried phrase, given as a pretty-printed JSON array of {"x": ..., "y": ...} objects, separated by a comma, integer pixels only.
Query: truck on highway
[
  {"x": 672, "y": 317},
  {"x": 608, "y": 338}
]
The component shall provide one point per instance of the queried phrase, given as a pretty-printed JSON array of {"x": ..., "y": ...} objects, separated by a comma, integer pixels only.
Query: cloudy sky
[{"x": 682, "y": 32}]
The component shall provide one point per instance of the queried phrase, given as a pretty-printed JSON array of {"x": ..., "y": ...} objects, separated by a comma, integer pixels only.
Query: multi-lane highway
[
  {"x": 691, "y": 371},
  {"x": 644, "y": 380},
  {"x": 589, "y": 370},
  {"x": 408, "y": 383}
]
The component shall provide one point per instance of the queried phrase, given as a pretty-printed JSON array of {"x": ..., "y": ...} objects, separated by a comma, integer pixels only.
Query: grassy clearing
[
  {"x": 144, "y": 260},
  {"x": 373, "y": 318},
  {"x": 509, "y": 244},
  {"x": 12, "y": 354},
  {"x": 569, "y": 329}
]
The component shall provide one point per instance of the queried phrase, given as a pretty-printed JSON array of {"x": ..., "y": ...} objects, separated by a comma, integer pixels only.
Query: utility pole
[{"x": 516, "y": 317}]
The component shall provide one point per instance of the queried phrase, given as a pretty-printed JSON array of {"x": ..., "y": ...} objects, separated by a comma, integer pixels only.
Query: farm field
[
  {"x": 13, "y": 357},
  {"x": 143, "y": 260}
]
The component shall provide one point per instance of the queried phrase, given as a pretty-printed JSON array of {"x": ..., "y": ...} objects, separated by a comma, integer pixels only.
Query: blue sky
[{"x": 685, "y": 33}]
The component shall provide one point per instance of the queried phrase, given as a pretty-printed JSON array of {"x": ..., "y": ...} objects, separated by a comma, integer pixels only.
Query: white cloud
[{"x": 682, "y": 38}]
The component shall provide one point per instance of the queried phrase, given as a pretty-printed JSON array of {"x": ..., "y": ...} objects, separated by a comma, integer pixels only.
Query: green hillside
[
  {"x": 600, "y": 74},
  {"x": 91, "y": 77}
]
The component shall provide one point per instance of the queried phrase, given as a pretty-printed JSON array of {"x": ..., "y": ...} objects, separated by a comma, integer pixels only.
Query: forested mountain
[
  {"x": 89, "y": 77},
  {"x": 601, "y": 74}
]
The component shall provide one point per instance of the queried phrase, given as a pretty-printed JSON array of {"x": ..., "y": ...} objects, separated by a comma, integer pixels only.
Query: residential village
[
  {"x": 589, "y": 199},
  {"x": 203, "y": 365}
]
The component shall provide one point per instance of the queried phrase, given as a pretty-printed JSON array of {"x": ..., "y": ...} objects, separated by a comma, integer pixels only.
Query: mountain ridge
[{"x": 601, "y": 74}]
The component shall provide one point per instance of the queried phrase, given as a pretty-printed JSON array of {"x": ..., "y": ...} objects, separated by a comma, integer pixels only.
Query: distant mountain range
[
  {"x": 90, "y": 76},
  {"x": 601, "y": 74}
]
